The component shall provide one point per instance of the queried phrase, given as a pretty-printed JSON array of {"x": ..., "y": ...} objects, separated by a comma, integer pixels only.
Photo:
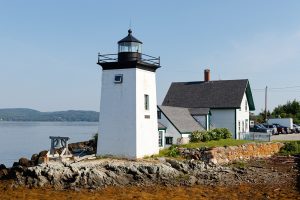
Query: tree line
[{"x": 289, "y": 110}]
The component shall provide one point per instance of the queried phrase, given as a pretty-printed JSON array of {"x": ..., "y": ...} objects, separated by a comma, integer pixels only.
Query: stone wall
[{"x": 223, "y": 155}]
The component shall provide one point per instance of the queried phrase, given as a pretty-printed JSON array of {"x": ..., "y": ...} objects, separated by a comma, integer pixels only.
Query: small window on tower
[
  {"x": 119, "y": 78},
  {"x": 146, "y": 101}
]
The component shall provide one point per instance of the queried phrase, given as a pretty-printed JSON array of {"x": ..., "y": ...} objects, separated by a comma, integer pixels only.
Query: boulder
[
  {"x": 24, "y": 162},
  {"x": 35, "y": 158},
  {"x": 4, "y": 174},
  {"x": 41, "y": 157},
  {"x": 15, "y": 164},
  {"x": 43, "y": 153},
  {"x": 2, "y": 166}
]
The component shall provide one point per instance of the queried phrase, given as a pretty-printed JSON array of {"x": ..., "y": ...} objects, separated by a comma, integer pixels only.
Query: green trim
[
  {"x": 235, "y": 124},
  {"x": 250, "y": 97},
  {"x": 186, "y": 132},
  {"x": 162, "y": 128}
]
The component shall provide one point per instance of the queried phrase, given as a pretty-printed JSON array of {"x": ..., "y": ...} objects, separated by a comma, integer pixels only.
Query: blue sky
[{"x": 49, "y": 48}]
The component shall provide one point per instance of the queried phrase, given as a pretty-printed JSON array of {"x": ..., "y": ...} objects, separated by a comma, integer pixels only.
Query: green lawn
[
  {"x": 217, "y": 143},
  {"x": 214, "y": 143}
]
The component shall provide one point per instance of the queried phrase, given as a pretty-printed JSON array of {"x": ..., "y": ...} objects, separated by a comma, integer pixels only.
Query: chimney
[{"x": 206, "y": 75}]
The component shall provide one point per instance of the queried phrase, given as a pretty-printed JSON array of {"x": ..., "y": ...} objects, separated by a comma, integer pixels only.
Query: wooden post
[{"x": 266, "y": 102}]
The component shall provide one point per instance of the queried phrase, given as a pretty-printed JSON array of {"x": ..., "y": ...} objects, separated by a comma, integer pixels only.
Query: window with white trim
[{"x": 118, "y": 78}]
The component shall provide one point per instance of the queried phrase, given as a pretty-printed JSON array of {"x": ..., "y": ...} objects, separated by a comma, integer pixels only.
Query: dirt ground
[{"x": 288, "y": 188}]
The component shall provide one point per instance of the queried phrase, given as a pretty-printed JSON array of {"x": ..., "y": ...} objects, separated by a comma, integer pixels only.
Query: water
[{"x": 22, "y": 139}]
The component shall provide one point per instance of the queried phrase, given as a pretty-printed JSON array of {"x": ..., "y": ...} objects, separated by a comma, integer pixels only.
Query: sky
[{"x": 48, "y": 49}]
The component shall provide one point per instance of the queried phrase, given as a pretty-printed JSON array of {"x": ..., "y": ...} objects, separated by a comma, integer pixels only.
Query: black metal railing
[{"x": 103, "y": 58}]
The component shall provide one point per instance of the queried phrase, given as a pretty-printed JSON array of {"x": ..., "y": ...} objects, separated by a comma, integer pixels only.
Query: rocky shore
[
  {"x": 105, "y": 172},
  {"x": 245, "y": 176},
  {"x": 187, "y": 171}
]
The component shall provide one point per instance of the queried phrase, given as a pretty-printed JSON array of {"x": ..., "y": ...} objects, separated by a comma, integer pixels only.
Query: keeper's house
[{"x": 203, "y": 105}]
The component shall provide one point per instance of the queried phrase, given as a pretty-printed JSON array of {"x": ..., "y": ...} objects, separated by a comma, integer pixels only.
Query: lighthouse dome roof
[{"x": 129, "y": 38}]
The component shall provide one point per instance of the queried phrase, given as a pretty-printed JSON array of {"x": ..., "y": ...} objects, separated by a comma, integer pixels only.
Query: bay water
[{"x": 22, "y": 139}]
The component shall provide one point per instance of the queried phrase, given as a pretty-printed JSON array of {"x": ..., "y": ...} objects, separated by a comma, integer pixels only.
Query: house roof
[
  {"x": 199, "y": 111},
  {"x": 181, "y": 119},
  {"x": 161, "y": 126},
  {"x": 210, "y": 94}
]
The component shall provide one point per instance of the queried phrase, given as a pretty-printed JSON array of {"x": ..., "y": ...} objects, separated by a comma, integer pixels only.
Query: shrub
[
  {"x": 196, "y": 136},
  {"x": 291, "y": 148},
  {"x": 226, "y": 133},
  {"x": 219, "y": 133},
  {"x": 206, "y": 137},
  {"x": 173, "y": 151},
  {"x": 215, "y": 134}
]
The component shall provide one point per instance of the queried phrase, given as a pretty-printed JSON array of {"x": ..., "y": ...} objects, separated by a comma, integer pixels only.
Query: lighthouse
[{"x": 128, "y": 107}]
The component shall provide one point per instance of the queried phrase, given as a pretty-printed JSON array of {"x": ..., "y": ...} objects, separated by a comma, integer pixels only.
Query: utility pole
[{"x": 266, "y": 102}]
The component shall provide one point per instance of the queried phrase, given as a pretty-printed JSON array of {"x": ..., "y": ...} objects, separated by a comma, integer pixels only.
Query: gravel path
[{"x": 295, "y": 136}]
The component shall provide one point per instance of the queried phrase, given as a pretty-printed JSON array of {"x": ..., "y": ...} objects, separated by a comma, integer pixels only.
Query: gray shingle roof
[
  {"x": 161, "y": 126},
  {"x": 211, "y": 94},
  {"x": 181, "y": 119},
  {"x": 199, "y": 111}
]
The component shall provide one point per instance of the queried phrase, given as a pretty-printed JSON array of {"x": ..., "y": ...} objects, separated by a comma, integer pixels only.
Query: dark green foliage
[
  {"x": 206, "y": 137},
  {"x": 214, "y": 134},
  {"x": 226, "y": 133},
  {"x": 291, "y": 148},
  {"x": 289, "y": 110},
  {"x": 218, "y": 134},
  {"x": 24, "y": 114}
]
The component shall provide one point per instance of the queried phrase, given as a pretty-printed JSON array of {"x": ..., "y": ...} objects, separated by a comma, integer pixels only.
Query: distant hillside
[{"x": 25, "y": 114}]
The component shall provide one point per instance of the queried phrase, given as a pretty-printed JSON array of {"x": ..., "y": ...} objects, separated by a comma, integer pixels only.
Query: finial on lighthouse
[{"x": 129, "y": 31}]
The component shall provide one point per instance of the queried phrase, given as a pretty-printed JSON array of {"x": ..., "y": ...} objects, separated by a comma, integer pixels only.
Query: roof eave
[{"x": 250, "y": 97}]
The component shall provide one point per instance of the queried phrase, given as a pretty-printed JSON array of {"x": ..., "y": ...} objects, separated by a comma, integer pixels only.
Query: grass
[
  {"x": 164, "y": 153},
  {"x": 216, "y": 143},
  {"x": 172, "y": 152}
]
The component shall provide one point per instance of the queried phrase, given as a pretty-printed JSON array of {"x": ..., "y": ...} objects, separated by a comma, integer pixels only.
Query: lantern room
[{"x": 129, "y": 48}]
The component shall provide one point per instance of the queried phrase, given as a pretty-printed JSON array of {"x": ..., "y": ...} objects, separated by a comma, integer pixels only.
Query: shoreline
[{"x": 156, "y": 178}]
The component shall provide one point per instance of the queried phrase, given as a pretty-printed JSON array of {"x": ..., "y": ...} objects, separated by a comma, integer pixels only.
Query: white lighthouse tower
[{"x": 128, "y": 108}]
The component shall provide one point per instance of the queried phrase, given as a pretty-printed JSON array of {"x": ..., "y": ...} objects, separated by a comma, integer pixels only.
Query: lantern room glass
[{"x": 130, "y": 47}]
